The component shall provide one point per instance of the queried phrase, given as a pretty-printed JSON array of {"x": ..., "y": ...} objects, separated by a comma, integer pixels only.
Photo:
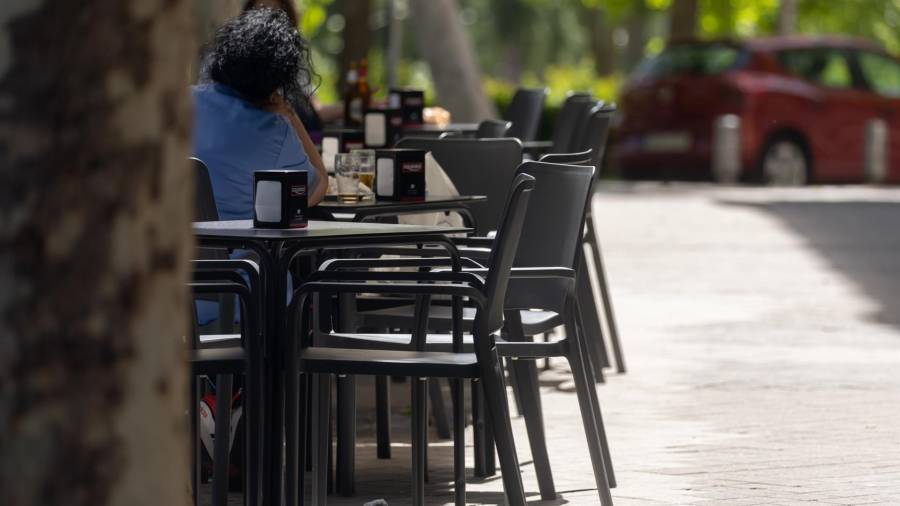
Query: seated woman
[{"x": 242, "y": 121}]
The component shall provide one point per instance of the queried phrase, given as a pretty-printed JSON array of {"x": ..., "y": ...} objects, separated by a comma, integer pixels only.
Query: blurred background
[{"x": 562, "y": 44}]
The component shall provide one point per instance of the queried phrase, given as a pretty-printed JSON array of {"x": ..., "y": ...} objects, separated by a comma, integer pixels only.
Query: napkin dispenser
[
  {"x": 382, "y": 126},
  {"x": 341, "y": 140},
  {"x": 400, "y": 174},
  {"x": 280, "y": 199},
  {"x": 411, "y": 104}
]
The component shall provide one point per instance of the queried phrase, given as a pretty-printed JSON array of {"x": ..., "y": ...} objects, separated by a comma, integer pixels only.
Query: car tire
[{"x": 785, "y": 162}]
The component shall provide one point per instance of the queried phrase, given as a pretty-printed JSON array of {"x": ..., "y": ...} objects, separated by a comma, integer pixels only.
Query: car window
[
  {"x": 881, "y": 73},
  {"x": 827, "y": 67},
  {"x": 696, "y": 59}
]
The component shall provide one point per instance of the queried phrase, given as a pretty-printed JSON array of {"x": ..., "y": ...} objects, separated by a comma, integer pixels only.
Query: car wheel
[{"x": 784, "y": 163}]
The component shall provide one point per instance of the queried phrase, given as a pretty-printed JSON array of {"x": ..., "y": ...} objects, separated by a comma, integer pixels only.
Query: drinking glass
[
  {"x": 346, "y": 171},
  {"x": 366, "y": 164}
]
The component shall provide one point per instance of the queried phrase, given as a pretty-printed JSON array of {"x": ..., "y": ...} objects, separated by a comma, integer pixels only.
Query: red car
[{"x": 781, "y": 110}]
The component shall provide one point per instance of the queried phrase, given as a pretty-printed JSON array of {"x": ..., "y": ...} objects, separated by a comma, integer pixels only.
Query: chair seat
[
  {"x": 209, "y": 361},
  {"x": 389, "y": 363},
  {"x": 439, "y": 318}
]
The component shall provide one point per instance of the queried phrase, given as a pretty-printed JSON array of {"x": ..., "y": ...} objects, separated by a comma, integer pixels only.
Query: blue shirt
[{"x": 234, "y": 138}]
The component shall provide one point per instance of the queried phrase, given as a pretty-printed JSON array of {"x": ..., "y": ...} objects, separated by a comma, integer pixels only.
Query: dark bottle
[{"x": 352, "y": 102}]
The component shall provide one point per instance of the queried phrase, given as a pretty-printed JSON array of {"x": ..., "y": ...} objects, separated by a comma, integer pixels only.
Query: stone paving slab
[{"x": 762, "y": 333}]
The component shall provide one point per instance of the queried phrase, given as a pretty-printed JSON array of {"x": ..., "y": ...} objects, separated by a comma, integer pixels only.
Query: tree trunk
[
  {"x": 787, "y": 17},
  {"x": 601, "y": 40},
  {"x": 443, "y": 41},
  {"x": 95, "y": 200},
  {"x": 357, "y": 34},
  {"x": 683, "y": 19},
  {"x": 636, "y": 24}
]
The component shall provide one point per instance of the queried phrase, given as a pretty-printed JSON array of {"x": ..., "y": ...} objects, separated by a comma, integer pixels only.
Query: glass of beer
[
  {"x": 346, "y": 171},
  {"x": 366, "y": 164}
]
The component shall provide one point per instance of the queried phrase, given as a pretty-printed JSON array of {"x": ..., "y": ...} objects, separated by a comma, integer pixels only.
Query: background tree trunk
[
  {"x": 95, "y": 201},
  {"x": 446, "y": 47},
  {"x": 636, "y": 24},
  {"x": 683, "y": 19},
  {"x": 357, "y": 35},
  {"x": 601, "y": 40},
  {"x": 787, "y": 17}
]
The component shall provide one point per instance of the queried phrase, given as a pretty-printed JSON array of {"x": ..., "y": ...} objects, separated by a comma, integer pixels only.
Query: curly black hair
[{"x": 260, "y": 52}]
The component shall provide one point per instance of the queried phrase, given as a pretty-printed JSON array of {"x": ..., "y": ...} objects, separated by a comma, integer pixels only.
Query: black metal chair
[
  {"x": 482, "y": 363},
  {"x": 476, "y": 167},
  {"x": 525, "y": 113},
  {"x": 544, "y": 278},
  {"x": 243, "y": 356},
  {"x": 493, "y": 129},
  {"x": 595, "y": 139},
  {"x": 570, "y": 123}
]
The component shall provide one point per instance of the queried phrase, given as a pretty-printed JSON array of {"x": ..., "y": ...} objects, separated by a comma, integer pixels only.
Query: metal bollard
[
  {"x": 875, "y": 153},
  {"x": 726, "y": 149}
]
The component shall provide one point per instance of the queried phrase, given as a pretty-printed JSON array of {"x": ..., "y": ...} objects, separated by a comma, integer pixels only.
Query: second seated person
[{"x": 242, "y": 121}]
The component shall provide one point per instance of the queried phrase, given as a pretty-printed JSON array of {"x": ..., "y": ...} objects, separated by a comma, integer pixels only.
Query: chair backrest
[
  {"x": 576, "y": 158},
  {"x": 204, "y": 201},
  {"x": 476, "y": 167},
  {"x": 492, "y": 129},
  {"x": 572, "y": 116},
  {"x": 555, "y": 216},
  {"x": 504, "y": 250},
  {"x": 597, "y": 132},
  {"x": 525, "y": 113}
]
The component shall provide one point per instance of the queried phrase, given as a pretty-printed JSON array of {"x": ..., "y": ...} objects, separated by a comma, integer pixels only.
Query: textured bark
[
  {"x": 357, "y": 34},
  {"x": 443, "y": 41},
  {"x": 787, "y": 17},
  {"x": 94, "y": 242},
  {"x": 683, "y": 19}
]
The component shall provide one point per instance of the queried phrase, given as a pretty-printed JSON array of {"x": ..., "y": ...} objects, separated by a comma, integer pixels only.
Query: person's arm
[{"x": 280, "y": 106}]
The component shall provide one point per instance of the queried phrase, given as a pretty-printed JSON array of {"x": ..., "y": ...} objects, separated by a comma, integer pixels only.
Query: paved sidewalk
[{"x": 762, "y": 333}]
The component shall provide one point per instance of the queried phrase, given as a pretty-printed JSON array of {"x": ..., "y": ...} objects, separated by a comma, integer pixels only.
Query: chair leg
[
  {"x": 607, "y": 300},
  {"x": 490, "y": 455},
  {"x": 593, "y": 328},
  {"x": 419, "y": 429},
  {"x": 534, "y": 423},
  {"x": 583, "y": 386},
  {"x": 292, "y": 437},
  {"x": 321, "y": 437},
  {"x": 459, "y": 441},
  {"x": 222, "y": 440},
  {"x": 383, "y": 417},
  {"x": 514, "y": 384},
  {"x": 529, "y": 390},
  {"x": 438, "y": 408},
  {"x": 595, "y": 404},
  {"x": 195, "y": 441},
  {"x": 478, "y": 429},
  {"x": 346, "y": 430},
  {"x": 498, "y": 419}
]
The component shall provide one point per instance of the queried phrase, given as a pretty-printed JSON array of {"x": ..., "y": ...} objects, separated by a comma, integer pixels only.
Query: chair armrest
[
  {"x": 245, "y": 296},
  {"x": 474, "y": 242},
  {"x": 451, "y": 289},
  {"x": 433, "y": 277},
  {"x": 533, "y": 272},
  {"x": 335, "y": 264}
]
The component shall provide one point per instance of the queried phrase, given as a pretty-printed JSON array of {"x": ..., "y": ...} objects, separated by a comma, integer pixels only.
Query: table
[
  {"x": 365, "y": 210},
  {"x": 276, "y": 249},
  {"x": 431, "y": 129}
]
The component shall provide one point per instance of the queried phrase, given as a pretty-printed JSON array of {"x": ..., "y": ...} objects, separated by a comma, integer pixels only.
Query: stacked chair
[
  {"x": 316, "y": 354},
  {"x": 225, "y": 356}
]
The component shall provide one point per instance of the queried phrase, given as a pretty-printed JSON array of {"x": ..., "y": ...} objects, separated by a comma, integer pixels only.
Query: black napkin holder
[
  {"x": 280, "y": 199},
  {"x": 400, "y": 174}
]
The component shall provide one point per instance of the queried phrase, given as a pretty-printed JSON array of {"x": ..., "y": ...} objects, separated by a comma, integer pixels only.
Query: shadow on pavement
[{"x": 859, "y": 238}]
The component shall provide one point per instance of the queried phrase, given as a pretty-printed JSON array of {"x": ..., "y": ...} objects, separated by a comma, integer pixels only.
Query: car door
[
  {"x": 880, "y": 74},
  {"x": 838, "y": 112}
]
